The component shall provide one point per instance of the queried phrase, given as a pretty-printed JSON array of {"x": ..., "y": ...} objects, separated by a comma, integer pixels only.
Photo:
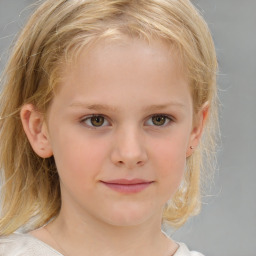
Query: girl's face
[{"x": 120, "y": 128}]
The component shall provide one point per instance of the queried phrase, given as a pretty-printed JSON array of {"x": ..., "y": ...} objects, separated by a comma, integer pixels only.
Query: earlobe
[
  {"x": 36, "y": 130},
  {"x": 197, "y": 131}
]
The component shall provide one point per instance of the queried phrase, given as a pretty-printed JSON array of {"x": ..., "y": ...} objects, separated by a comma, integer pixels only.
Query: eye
[
  {"x": 95, "y": 121},
  {"x": 159, "y": 120}
]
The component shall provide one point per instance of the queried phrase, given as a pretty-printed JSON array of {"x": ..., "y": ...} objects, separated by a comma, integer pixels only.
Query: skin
[{"x": 126, "y": 82}]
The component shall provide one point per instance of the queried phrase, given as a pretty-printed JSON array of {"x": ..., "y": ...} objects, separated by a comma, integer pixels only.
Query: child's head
[{"x": 53, "y": 41}]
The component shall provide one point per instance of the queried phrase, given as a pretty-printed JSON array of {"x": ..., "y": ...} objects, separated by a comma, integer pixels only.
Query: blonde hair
[{"x": 56, "y": 32}]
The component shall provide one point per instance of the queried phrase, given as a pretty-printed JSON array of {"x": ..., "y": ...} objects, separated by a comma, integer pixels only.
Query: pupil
[
  {"x": 97, "y": 120},
  {"x": 159, "y": 120}
]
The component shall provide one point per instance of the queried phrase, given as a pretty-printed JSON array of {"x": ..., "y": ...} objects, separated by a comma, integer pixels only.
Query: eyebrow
[
  {"x": 164, "y": 106},
  {"x": 101, "y": 107},
  {"x": 94, "y": 106}
]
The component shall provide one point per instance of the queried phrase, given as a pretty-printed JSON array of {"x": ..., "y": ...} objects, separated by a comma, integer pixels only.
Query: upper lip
[{"x": 127, "y": 181}]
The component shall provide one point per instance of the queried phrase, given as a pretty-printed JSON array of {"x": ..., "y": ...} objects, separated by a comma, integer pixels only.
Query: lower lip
[{"x": 128, "y": 188}]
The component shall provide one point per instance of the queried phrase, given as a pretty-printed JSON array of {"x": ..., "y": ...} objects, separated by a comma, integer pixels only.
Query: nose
[{"x": 129, "y": 149}]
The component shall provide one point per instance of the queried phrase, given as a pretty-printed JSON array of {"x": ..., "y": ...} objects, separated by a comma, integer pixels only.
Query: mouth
[{"x": 126, "y": 186}]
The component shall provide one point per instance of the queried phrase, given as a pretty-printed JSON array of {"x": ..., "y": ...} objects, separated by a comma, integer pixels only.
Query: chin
[{"x": 126, "y": 217}]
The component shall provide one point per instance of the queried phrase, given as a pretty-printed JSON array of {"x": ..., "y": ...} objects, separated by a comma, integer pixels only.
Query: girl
[{"x": 102, "y": 113}]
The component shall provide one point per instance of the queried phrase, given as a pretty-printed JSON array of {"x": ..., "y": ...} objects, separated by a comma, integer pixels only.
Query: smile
[{"x": 127, "y": 186}]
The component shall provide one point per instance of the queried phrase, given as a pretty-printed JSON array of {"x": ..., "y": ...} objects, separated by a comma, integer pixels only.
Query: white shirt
[{"x": 27, "y": 245}]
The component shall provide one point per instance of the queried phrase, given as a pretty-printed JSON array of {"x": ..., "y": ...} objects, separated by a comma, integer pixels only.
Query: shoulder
[
  {"x": 24, "y": 245},
  {"x": 184, "y": 251}
]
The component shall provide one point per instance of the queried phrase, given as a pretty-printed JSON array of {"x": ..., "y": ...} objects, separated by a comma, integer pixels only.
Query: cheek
[
  {"x": 78, "y": 157},
  {"x": 170, "y": 162}
]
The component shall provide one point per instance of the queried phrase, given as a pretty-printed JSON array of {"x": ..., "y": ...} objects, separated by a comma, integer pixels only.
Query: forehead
[
  {"x": 123, "y": 49},
  {"x": 125, "y": 71}
]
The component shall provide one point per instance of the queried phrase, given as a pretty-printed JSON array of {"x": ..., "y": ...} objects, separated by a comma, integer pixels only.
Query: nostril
[{"x": 130, "y": 157}]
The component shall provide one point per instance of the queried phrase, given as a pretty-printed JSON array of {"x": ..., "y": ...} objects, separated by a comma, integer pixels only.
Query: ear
[
  {"x": 198, "y": 127},
  {"x": 36, "y": 130}
]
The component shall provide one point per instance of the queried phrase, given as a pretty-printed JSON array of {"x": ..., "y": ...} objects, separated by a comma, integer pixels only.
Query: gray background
[{"x": 227, "y": 223}]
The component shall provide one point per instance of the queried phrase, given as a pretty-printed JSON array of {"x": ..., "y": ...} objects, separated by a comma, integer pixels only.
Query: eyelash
[
  {"x": 92, "y": 116},
  {"x": 168, "y": 119}
]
